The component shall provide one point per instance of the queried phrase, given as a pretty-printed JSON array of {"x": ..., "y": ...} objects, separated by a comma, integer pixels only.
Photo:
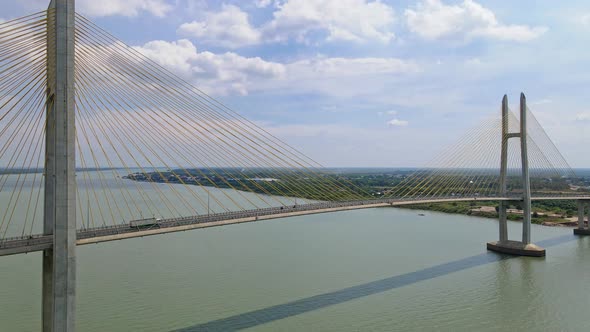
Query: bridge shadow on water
[{"x": 269, "y": 314}]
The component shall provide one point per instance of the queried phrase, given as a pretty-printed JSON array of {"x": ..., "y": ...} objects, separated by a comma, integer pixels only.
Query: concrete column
[
  {"x": 503, "y": 169},
  {"x": 59, "y": 263},
  {"x": 49, "y": 207},
  {"x": 524, "y": 248},
  {"x": 526, "y": 184},
  {"x": 581, "y": 207},
  {"x": 503, "y": 218}
]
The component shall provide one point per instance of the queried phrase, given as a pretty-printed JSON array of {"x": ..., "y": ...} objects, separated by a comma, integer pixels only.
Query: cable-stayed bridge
[{"x": 99, "y": 143}]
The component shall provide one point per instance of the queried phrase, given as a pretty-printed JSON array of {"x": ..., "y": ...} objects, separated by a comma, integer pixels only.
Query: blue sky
[{"x": 369, "y": 83}]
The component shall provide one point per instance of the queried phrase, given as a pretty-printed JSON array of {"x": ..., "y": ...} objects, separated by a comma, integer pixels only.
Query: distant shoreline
[{"x": 488, "y": 210}]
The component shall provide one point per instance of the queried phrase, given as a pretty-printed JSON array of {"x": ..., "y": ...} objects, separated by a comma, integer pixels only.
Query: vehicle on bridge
[{"x": 143, "y": 223}]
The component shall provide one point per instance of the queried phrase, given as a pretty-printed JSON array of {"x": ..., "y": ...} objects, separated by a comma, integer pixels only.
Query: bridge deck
[{"x": 124, "y": 231}]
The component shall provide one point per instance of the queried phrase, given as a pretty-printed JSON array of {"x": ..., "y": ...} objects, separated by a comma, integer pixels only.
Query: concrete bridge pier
[
  {"x": 524, "y": 247},
  {"x": 59, "y": 261},
  {"x": 582, "y": 230}
]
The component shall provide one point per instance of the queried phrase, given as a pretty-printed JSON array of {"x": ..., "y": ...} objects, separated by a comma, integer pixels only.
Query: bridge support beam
[
  {"x": 503, "y": 218},
  {"x": 582, "y": 229},
  {"x": 59, "y": 262},
  {"x": 526, "y": 181},
  {"x": 524, "y": 247}
]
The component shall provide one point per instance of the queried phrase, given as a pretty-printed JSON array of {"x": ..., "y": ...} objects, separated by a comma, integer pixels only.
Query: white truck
[{"x": 147, "y": 222}]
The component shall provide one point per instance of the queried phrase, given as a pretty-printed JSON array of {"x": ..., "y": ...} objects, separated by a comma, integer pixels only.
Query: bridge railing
[{"x": 107, "y": 230}]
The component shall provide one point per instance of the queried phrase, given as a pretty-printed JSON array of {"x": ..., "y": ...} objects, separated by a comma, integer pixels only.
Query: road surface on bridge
[{"x": 34, "y": 243}]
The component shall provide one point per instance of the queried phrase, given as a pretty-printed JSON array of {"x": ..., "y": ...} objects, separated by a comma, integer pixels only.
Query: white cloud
[
  {"x": 229, "y": 28},
  {"x": 583, "y": 117},
  {"x": 226, "y": 73},
  {"x": 302, "y": 20},
  {"x": 388, "y": 113},
  {"x": 176, "y": 56},
  {"x": 473, "y": 62},
  {"x": 585, "y": 20},
  {"x": 321, "y": 67},
  {"x": 343, "y": 77},
  {"x": 230, "y": 73},
  {"x": 432, "y": 19},
  {"x": 342, "y": 140},
  {"x": 349, "y": 20},
  {"x": 542, "y": 102},
  {"x": 397, "y": 123},
  {"x": 262, "y": 3},
  {"x": 123, "y": 7},
  {"x": 519, "y": 33}
]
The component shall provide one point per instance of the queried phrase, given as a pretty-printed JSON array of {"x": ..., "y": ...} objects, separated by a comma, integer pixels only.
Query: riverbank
[{"x": 559, "y": 216}]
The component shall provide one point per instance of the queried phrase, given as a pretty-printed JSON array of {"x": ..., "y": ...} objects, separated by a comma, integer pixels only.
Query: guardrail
[{"x": 40, "y": 242}]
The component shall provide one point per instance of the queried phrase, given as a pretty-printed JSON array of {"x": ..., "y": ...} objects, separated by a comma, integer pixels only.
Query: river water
[{"x": 381, "y": 269}]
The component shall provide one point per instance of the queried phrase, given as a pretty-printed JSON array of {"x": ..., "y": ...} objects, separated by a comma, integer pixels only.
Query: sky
[{"x": 367, "y": 83}]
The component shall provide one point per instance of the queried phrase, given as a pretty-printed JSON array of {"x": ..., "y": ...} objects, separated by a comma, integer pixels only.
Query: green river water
[{"x": 368, "y": 270}]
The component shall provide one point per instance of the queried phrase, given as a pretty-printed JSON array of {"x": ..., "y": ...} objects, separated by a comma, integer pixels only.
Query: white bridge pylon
[{"x": 524, "y": 247}]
